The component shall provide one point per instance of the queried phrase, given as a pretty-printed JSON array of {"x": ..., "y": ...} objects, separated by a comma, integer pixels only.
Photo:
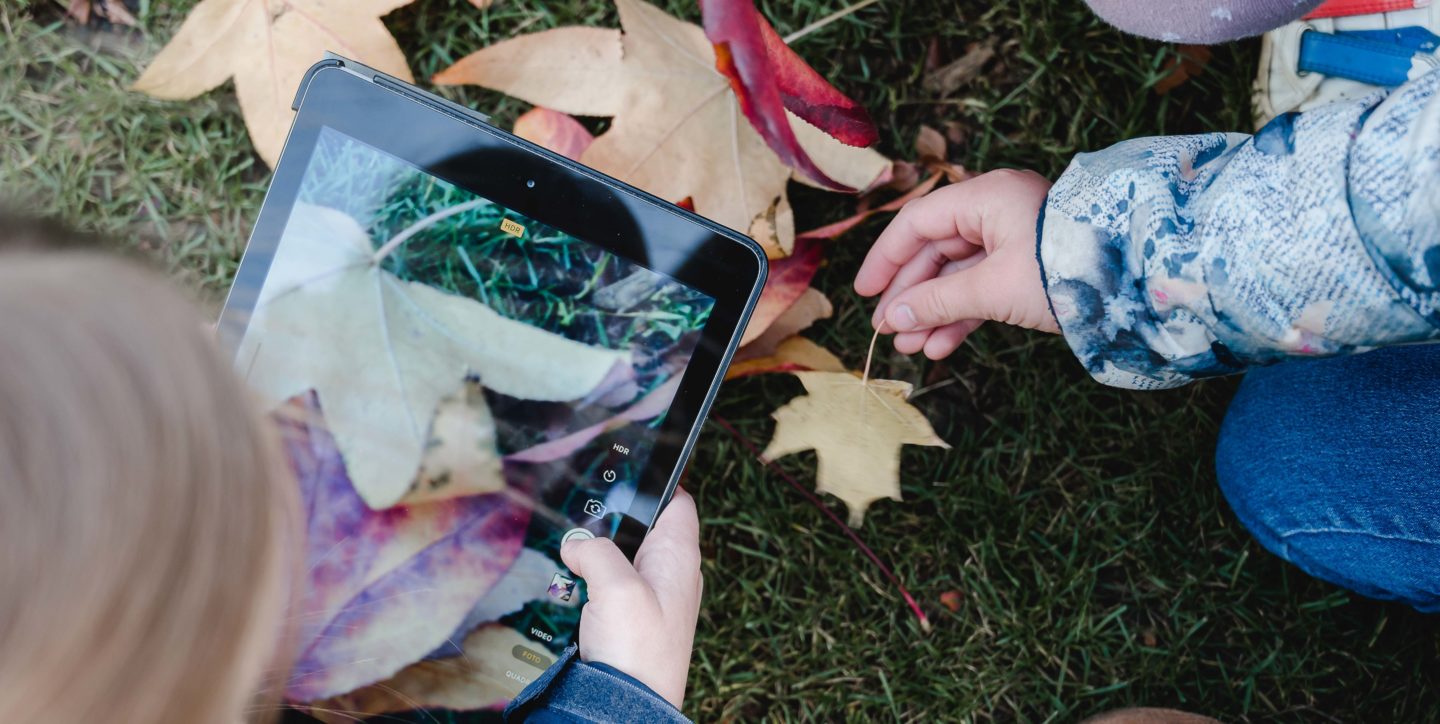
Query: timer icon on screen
[{"x": 608, "y": 476}]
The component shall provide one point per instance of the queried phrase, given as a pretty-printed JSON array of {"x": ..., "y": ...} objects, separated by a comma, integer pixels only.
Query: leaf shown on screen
[
  {"x": 528, "y": 579},
  {"x": 857, "y": 430},
  {"x": 473, "y": 680},
  {"x": 267, "y": 46},
  {"x": 384, "y": 588},
  {"x": 460, "y": 456},
  {"x": 382, "y": 353},
  {"x": 652, "y": 405},
  {"x": 678, "y": 128}
]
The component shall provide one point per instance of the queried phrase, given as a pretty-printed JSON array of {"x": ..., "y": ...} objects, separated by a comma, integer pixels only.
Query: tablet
[{"x": 475, "y": 350}]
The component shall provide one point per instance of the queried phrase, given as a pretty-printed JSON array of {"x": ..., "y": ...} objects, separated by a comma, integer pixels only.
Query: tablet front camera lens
[{"x": 530, "y": 184}]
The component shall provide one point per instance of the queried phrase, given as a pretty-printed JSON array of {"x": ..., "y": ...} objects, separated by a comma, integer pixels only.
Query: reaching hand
[
  {"x": 640, "y": 619},
  {"x": 957, "y": 257}
]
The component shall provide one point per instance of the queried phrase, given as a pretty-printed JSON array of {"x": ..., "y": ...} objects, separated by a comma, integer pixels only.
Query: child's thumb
[
  {"x": 601, "y": 564},
  {"x": 940, "y": 301}
]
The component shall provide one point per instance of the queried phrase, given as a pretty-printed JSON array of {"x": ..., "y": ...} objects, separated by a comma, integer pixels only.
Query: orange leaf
[
  {"x": 1189, "y": 62},
  {"x": 834, "y": 230},
  {"x": 951, "y": 600},
  {"x": 794, "y": 354}
]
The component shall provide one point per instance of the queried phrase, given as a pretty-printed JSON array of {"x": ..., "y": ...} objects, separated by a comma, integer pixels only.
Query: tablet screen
[{"x": 459, "y": 388}]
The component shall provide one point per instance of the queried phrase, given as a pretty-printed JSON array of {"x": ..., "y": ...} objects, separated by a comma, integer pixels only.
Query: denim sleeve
[
  {"x": 1173, "y": 258},
  {"x": 572, "y": 690}
]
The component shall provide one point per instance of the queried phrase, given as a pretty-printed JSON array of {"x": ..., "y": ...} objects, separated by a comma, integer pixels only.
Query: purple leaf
[
  {"x": 651, "y": 405},
  {"x": 384, "y": 588}
]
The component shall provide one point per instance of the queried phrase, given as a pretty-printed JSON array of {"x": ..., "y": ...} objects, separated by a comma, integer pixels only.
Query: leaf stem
[
  {"x": 849, "y": 532},
  {"x": 422, "y": 225}
]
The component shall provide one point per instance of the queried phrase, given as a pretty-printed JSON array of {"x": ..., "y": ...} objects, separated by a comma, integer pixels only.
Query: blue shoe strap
[
  {"x": 1414, "y": 37},
  {"x": 1359, "y": 58}
]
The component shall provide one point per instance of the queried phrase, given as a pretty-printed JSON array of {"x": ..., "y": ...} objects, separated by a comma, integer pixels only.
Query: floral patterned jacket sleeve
[{"x": 1169, "y": 259}]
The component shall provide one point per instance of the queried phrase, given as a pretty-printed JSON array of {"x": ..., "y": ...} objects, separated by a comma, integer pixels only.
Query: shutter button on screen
[{"x": 576, "y": 534}]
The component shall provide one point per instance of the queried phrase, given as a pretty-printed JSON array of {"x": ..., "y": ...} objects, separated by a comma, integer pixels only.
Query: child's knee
[{"x": 1315, "y": 497}]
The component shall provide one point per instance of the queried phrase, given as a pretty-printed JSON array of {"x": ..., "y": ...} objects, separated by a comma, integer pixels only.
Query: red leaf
[
  {"x": 789, "y": 278},
  {"x": 768, "y": 77},
  {"x": 808, "y": 95},
  {"x": 554, "y": 130}
]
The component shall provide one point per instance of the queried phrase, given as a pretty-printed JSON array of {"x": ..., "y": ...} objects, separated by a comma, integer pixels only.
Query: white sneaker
[{"x": 1282, "y": 86}]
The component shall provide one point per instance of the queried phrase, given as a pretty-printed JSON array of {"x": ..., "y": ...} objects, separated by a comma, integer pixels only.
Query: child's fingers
[
  {"x": 951, "y": 298},
  {"x": 942, "y": 215},
  {"x": 679, "y": 523},
  {"x": 605, "y": 569},
  {"x": 944, "y": 341},
  {"x": 904, "y": 282},
  {"x": 669, "y": 559},
  {"x": 911, "y": 342},
  {"x": 925, "y": 265}
]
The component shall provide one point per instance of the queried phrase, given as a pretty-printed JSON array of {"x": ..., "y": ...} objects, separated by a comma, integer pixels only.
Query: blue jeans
[{"x": 1334, "y": 465}]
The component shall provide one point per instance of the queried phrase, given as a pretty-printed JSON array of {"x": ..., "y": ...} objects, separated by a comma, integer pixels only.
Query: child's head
[{"x": 144, "y": 509}]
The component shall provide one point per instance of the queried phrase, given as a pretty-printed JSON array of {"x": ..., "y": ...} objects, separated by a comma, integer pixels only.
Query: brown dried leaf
[
  {"x": 266, "y": 48},
  {"x": 811, "y": 307},
  {"x": 930, "y": 145},
  {"x": 1190, "y": 62},
  {"x": 950, "y": 77},
  {"x": 678, "y": 130}
]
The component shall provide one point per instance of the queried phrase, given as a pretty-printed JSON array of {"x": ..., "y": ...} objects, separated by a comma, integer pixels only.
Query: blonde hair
[{"x": 145, "y": 510}]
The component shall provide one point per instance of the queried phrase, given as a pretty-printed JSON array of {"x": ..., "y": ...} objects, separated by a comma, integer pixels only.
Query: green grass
[{"x": 1097, "y": 564}]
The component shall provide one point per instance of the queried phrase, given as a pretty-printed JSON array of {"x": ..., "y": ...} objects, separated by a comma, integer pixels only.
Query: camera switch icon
[{"x": 594, "y": 508}]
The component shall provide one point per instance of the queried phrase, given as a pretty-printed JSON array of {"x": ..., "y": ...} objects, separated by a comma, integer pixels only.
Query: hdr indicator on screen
[{"x": 511, "y": 228}]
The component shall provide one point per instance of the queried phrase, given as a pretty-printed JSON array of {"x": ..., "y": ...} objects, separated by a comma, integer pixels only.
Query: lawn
[{"x": 1095, "y": 562}]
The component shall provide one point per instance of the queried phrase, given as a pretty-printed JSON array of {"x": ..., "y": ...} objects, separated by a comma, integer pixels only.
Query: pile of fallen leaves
[{"x": 719, "y": 119}]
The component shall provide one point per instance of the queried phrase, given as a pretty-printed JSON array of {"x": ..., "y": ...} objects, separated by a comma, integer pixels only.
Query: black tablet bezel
[{"x": 459, "y": 146}]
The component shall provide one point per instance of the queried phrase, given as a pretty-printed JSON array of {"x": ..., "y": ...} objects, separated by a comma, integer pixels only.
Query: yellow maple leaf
[
  {"x": 266, "y": 46},
  {"x": 678, "y": 130},
  {"x": 856, "y": 429}
]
